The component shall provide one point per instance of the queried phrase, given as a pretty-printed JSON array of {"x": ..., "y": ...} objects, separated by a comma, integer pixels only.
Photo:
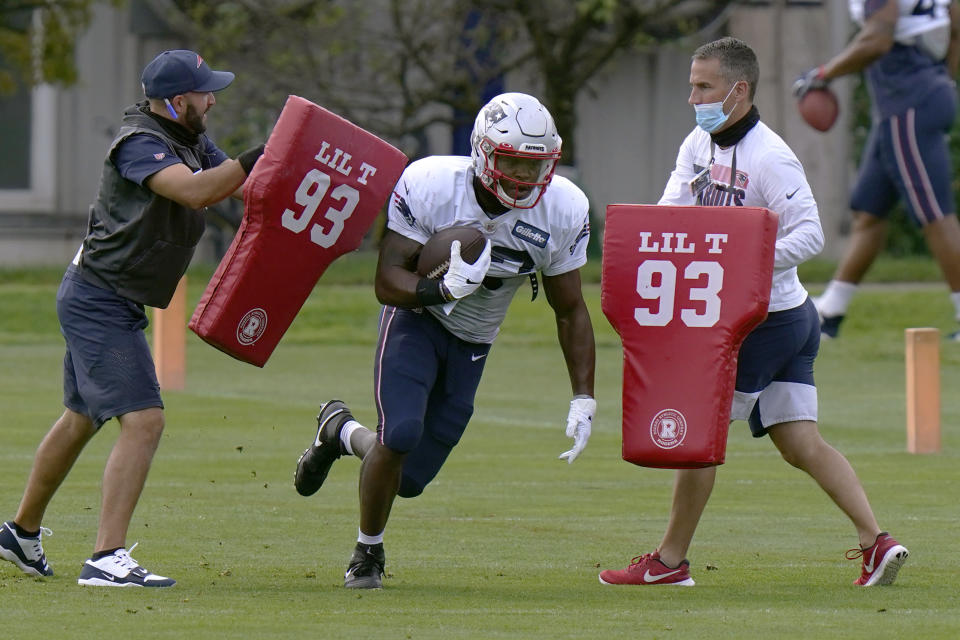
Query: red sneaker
[
  {"x": 881, "y": 562},
  {"x": 648, "y": 569}
]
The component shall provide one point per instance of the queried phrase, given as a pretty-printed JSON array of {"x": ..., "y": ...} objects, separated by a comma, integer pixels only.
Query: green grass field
[{"x": 508, "y": 541}]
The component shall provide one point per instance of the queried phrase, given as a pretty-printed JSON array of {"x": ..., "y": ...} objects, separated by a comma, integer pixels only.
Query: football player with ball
[
  {"x": 436, "y": 332},
  {"x": 909, "y": 51}
]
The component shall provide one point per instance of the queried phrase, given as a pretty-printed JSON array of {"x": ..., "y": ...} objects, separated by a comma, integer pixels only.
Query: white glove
[
  {"x": 579, "y": 423},
  {"x": 463, "y": 278}
]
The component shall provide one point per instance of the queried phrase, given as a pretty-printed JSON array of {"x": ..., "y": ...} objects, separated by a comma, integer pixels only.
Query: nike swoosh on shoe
[{"x": 649, "y": 577}]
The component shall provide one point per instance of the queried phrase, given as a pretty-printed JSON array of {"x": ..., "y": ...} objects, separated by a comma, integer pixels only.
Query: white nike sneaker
[
  {"x": 26, "y": 553},
  {"x": 120, "y": 570}
]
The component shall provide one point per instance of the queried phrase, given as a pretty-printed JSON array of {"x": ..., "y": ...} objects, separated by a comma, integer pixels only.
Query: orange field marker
[
  {"x": 923, "y": 390},
  {"x": 170, "y": 340}
]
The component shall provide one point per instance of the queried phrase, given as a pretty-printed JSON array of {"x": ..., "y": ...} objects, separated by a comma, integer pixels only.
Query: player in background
[
  {"x": 435, "y": 334},
  {"x": 749, "y": 165},
  {"x": 910, "y": 50},
  {"x": 159, "y": 175}
]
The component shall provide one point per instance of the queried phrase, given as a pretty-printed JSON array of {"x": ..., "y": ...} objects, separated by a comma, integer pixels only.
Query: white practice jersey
[
  {"x": 921, "y": 23},
  {"x": 769, "y": 175},
  {"x": 437, "y": 192}
]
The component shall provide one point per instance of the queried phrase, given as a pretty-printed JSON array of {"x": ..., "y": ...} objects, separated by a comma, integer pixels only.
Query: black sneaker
[
  {"x": 120, "y": 570},
  {"x": 314, "y": 464},
  {"x": 830, "y": 326},
  {"x": 26, "y": 553},
  {"x": 366, "y": 567},
  {"x": 954, "y": 337}
]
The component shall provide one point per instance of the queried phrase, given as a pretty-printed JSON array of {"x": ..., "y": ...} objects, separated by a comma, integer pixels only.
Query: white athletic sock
[
  {"x": 955, "y": 298},
  {"x": 836, "y": 298},
  {"x": 346, "y": 432},
  {"x": 363, "y": 538}
]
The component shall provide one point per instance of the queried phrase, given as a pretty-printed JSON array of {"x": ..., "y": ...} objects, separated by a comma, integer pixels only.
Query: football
[
  {"x": 819, "y": 108},
  {"x": 434, "y": 257}
]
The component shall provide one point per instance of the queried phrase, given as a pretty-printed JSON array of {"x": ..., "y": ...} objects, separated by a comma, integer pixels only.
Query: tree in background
[
  {"x": 37, "y": 39},
  {"x": 396, "y": 67}
]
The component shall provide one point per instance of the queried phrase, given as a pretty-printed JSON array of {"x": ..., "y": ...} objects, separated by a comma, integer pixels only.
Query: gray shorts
[{"x": 107, "y": 369}]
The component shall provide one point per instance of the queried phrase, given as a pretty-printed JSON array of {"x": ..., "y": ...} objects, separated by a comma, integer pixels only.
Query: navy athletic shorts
[
  {"x": 425, "y": 380},
  {"x": 107, "y": 370},
  {"x": 907, "y": 157},
  {"x": 775, "y": 370}
]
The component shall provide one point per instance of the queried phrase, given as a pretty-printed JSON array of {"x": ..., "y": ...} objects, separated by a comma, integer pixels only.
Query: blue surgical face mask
[{"x": 710, "y": 116}]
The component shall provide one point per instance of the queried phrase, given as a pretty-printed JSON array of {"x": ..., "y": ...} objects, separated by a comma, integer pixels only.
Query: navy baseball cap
[{"x": 180, "y": 71}]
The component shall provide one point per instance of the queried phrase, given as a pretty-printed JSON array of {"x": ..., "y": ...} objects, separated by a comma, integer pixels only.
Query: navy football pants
[{"x": 425, "y": 380}]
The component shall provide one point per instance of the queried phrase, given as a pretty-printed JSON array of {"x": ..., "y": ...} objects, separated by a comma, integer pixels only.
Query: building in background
[{"x": 53, "y": 140}]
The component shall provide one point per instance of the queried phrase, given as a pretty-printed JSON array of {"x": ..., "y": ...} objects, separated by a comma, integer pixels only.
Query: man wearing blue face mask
[{"x": 733, "y": 159}]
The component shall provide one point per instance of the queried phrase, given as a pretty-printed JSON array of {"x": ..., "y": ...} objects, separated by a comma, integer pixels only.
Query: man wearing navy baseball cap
[
  {"x": 159, "y": 175},
  {"x": 184, "y": 83},
  {"x": 180, "y": 71}
]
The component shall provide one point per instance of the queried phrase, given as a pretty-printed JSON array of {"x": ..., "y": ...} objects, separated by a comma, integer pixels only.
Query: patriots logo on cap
[
  {"x": 199, "y": 61},
  {"x": 159, "y": 156}
]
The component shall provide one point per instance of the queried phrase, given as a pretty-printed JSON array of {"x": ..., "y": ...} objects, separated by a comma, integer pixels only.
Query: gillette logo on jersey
[
  {"x": 722, "y": 191},
  {"x": 531, "y": 234}
]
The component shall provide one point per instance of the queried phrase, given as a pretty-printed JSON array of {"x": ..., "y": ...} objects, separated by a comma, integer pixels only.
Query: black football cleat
[
  {"x": 314, "y": 465},
  {"x": 366, "y": 567}
]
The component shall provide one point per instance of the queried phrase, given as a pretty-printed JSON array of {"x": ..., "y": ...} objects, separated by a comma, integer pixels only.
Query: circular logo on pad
[
  {"x": 252, "y": 325},
  {"x": 668, "y": 428}
]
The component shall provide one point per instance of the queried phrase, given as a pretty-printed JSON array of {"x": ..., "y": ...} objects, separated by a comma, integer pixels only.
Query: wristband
[
  {"x": 249, "y": 158},
  {"x": 432, "y": 292}
]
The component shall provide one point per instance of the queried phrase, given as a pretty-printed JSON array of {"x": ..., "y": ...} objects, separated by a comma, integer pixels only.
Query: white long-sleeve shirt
[{"x": 769, "y": 175}]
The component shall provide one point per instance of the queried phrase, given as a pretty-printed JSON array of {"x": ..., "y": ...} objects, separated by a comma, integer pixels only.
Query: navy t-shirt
[{"x": 142, "y": 155}]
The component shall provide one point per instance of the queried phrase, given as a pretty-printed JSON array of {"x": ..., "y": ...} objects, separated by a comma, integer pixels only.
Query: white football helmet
[{"x": 515, "y": 149}]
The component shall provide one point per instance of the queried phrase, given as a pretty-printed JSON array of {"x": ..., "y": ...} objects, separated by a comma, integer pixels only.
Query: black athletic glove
[
  {"x": 249, "y": 158},
  {"x": 812, "y": 79}
]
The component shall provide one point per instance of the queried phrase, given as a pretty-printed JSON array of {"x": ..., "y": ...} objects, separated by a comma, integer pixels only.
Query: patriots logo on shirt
[
  {"x": 721, "y": 174},
  {"x": 159, "y": 156},
  {"x": 403, "y": 208},
  {"x": 584, "y": 233}
]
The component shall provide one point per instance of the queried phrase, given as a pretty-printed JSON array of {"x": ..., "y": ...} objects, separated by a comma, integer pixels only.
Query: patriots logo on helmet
[{"x": 493, "y": 114}]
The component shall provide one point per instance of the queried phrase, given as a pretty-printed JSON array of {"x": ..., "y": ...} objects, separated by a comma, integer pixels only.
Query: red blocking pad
[
  {"x": 683, "y": 286},
  {"x": 311, "y": 197}
]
